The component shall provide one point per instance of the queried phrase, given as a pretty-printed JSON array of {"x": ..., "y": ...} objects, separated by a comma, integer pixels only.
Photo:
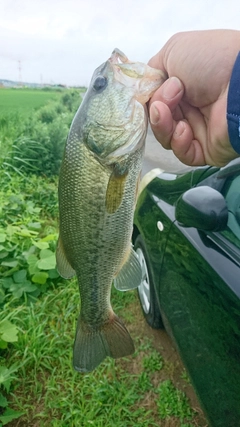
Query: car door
[{"x": 199, "y": 290}]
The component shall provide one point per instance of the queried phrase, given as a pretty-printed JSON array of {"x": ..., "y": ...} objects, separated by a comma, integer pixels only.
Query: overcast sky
[{"x": 63, "y": 41}]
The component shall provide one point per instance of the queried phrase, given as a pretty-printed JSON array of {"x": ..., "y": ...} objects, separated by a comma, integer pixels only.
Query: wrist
[{"x": 233, "y": 107}]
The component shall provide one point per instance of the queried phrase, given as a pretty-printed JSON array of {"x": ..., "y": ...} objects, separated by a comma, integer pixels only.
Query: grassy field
[
  {"x": 24, "y": 100},
  {"x": 35, "y": 121},
  {"x": 139, "y": 391},
  {"x": 38, "y": 314}
]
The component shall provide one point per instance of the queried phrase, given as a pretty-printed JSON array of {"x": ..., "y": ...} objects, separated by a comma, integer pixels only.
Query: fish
[{"x": 97, "y": 192}]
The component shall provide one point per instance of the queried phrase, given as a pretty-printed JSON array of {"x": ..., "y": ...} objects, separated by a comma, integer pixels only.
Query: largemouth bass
[{"x": 97, "y": 193}]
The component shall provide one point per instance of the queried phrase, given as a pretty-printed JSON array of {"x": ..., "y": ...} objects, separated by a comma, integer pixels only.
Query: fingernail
[
  {"x": 180, "y": 128},
  {"x": 171, "y": 88},
  {"x": 154, "y": 115}
]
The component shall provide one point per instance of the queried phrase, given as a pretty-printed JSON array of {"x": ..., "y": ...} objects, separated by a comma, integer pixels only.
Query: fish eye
[{"x": 100, "y": 83}]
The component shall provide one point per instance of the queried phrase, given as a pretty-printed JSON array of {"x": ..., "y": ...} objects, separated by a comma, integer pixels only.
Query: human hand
[{"x": 188, "y": 112}]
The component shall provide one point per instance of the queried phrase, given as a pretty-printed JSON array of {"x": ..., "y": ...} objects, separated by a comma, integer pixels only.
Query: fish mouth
[
  {"x": 135, "y": 70},
  {"x": 118, "y": 56},
  {"x": 136, "y": 75}
]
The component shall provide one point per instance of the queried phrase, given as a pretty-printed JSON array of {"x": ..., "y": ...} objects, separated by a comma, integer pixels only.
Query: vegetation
[
  {"x": 32, "y": 139},
  {"x": 38, "y": 309},
  {"x": 25, "y": 100}
]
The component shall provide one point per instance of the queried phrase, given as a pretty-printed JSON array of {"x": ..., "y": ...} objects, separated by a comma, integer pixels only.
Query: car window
[{"x": 231, "y": 192}]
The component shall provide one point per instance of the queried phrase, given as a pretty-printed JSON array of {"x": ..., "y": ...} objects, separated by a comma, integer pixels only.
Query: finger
[
  {"x": 164, "y": 110},
  {"x": 162, "y": 123},
  {"x": 170, "y": 92},
  {"x": 188, "y": 149}
]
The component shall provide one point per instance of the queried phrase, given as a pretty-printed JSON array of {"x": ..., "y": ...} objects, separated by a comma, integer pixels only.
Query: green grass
[
  {"x": 120, "y": 393},
  {"x": 24, "y": 100},
  {"x": 33, "y": 128},
  {"x": 16, "y": 105}
]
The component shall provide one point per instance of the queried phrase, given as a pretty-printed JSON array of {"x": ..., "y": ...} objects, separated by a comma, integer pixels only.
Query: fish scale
[{"x": 97, "y": 195}]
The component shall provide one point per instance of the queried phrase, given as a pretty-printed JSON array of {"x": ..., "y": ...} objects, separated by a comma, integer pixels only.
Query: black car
[{"x": 187, "y": 236}]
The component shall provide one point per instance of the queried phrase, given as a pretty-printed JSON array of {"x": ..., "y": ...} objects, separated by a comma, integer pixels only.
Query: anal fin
[
  {"x": 64, "y": 268},
  {"x": 130, "y": 275}
]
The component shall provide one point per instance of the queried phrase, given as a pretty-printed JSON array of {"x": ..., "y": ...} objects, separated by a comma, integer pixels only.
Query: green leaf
[
  {"x": 32, "y": 261},
  {"x": 10, "y": 272},
  {"x": 41, "y": 245},
  {"x": 18, "y": 289},
  {"x": 46, "y": 253},
  {"x": 10, "y": 415},
  {"x": 50, "y": 237},
  {"x": 3, "y": 344},
  {"x": 47, "y": 261},
  {"x": 2, "y": 237},
  {"x": 26, "y": 233},
  {"x": 34, "y": 225},
  {"x": 20, "y": 276},
  {"x": 3, "y": 401},
  {"x": 40, "y": 278},
  {"x": 8, "y": 331},
  {"x": 31, "y": 208},
  {"x": 7, "y": 282},
  {"x": 10, "y": 263},
  {"x": 53, "y": 274},
  {"x": 5, "y": 377},
  {"x": 11, "y": 229}
]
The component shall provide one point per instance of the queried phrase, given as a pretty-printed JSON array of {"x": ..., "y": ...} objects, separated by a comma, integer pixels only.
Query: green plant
[
  {"x": 48, "y": 113},
  {"x": 153, "y": 362},
  {"x": 27, "y": 261},
  {"x": 6, "y": 377},
  {"x": 41, "y": 152},
  {"x": 27, "y": 241},
  {"x": 47, "y": 388},
  {"x": 173, "y": 402},
  {"x": 71, "y": 100},
  {"x": 8, "y": 334},
  {"x": 27, "y": 265},
  {"x": 185, "y": 376},
  {"x": 37, "y": 144}
]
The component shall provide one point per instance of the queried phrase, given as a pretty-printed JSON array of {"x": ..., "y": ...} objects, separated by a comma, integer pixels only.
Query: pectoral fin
[
  {"x": 130, "y": 275},
  {"x": 115, "y": 191},
  {"x": 64, "y": 268}
]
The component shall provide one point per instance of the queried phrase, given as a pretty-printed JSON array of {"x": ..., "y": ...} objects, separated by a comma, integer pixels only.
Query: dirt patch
[{"x": 173, "y": 367}]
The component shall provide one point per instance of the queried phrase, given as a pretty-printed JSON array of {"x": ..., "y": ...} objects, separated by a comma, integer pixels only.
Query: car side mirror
[{"x": 203, "y": 208}]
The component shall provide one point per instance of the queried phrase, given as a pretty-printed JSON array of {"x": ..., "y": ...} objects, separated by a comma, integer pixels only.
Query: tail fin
[{"x": 92, "y": 345}]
